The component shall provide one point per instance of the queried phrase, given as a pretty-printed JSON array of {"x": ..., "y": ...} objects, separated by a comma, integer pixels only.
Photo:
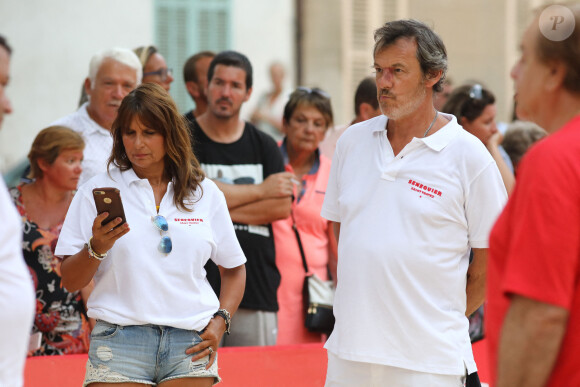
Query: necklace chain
[{"x": 432, "y": 122}]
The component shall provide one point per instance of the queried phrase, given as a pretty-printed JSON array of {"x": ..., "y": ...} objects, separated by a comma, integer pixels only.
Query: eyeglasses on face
[
  {"x": 314, "y": 90},
  {"x": 165, "y": 245},
  {"x": 163, "y": 73}
]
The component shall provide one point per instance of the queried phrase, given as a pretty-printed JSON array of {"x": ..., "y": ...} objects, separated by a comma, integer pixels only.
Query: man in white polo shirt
[
  {"x": 411, "y": 193},
  {"x": 17, "y": 299},
  {"x": 113, "y": 73}
]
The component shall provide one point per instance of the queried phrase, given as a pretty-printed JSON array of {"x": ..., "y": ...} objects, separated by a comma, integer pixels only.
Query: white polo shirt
[
  {"x": 407, "y": 223},
  {"x": 98, "y": 142},
  {"x": 17, "y": 299},
  {"x": 136, "y": 284}
]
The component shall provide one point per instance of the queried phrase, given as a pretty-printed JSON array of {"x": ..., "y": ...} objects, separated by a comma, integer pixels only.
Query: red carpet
[{"x": 284, "y": 366}]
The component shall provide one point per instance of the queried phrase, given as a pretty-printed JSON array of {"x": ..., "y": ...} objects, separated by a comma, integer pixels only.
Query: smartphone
[{"x": 108, "y": 199}]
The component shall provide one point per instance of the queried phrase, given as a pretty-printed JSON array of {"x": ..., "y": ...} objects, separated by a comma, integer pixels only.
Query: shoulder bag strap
[{"x": 299, "y": 242}]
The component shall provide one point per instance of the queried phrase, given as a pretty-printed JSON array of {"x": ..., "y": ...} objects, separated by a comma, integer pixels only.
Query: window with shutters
[{"x": 185, "y": 27}]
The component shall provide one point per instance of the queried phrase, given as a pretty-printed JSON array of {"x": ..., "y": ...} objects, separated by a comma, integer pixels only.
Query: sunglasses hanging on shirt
[{"x": 165, "y": 245}]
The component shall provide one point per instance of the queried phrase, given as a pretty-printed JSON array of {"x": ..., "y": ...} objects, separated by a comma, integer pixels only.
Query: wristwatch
[{"x": 226, "y": 316}]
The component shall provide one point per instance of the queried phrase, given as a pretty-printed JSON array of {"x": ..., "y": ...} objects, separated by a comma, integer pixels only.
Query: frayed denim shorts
[{"x": 147, "y": 354}]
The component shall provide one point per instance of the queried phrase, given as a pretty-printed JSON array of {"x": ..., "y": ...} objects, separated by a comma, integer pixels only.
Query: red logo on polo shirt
[
  {"x": 188, "y": 220},
  {"x": 423, "y": 189}
]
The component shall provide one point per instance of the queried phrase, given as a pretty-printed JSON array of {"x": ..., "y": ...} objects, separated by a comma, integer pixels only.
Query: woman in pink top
[{"x": 307, "y": 116}]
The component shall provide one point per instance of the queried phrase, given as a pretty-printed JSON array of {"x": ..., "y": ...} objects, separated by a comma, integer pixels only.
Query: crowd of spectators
[{"x": 213, "y": 207}]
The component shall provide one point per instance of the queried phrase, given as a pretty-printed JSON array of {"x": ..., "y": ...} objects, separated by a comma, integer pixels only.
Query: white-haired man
[{"x": 113, "y": 74}]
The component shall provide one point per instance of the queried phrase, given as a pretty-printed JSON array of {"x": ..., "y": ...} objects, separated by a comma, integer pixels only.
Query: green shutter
[{"x": 184, "y": 27}]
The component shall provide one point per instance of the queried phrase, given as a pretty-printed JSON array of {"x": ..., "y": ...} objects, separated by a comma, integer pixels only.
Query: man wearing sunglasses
[
  {"x": 112, "y": 75},
  {"x": 247, "y": 166},
  {"x": 16, "y": 291},
  {"x": 411, "y": 192}
]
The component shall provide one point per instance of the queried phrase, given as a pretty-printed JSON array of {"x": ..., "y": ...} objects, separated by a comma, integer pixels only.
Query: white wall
[
  {"x": 263, "y": 30},
  {"x": 53, "y": 42}
]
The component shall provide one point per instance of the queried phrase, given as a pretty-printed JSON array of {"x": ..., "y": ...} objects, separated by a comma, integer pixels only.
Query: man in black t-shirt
[{"x": 248, "y": 167}]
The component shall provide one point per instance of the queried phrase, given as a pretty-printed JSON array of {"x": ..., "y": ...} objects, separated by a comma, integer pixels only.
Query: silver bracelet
[{"x": 92, "y": 252}]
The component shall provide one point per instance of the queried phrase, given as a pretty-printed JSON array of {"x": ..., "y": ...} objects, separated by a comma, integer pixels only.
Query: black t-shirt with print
[{"x": 249, "y": 160}]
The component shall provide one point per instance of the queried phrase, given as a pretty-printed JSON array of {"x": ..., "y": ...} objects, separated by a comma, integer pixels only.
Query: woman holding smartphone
[{"x": 158, "y": 320}]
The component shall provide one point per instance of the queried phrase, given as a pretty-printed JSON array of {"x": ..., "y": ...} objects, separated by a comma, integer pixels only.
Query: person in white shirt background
[
  {"x": 113, "y": 73},
  {"x": 268, "y": 113},
  {"x": 17, "y": 298}
]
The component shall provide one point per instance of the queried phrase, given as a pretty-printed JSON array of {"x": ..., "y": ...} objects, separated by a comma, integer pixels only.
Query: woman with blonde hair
[
  {"x": 159, "y": 321},
  {"x": 55, "y": 160}
]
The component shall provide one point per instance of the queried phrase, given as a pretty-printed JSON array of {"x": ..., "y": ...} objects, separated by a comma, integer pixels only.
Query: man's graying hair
[{"x": 431, "y": 52}]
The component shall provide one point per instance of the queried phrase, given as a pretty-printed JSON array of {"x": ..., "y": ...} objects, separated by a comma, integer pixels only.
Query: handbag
[{"x": 318, "y": 296}]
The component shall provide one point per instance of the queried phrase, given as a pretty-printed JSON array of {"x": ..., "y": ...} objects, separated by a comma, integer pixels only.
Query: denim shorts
[{"x": 147, "y": 354}]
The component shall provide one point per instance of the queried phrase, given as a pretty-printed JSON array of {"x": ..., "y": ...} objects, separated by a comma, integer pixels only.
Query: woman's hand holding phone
[
  {"x": 110, "y": 223},
  {"x": 105, "y": 236}
]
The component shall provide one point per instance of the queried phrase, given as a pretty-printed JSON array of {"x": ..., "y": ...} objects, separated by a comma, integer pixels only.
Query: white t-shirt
[
  {"x": 136, "y": 284},
  {"x": 407, "y": 224},
  {"x": 98, "y": 142},
  {"x": 17, "y": 299}
]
